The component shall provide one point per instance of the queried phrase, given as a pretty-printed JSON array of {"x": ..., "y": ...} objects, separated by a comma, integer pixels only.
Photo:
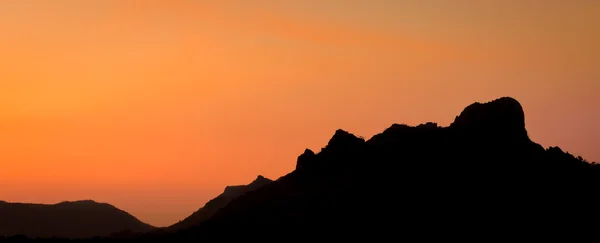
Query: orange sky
[{"x": 156, "y": 106}]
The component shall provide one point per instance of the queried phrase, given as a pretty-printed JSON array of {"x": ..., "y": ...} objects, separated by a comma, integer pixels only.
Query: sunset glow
[{"x": 156, "y": 106}]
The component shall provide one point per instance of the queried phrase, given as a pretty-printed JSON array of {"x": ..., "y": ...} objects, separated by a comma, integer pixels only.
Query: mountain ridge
[
  {"x": 481, "y": 175},
  {"x": 215, "y": 204},
  {"x": 484, "y": 156},
  {"x": 68, "y": 219}
]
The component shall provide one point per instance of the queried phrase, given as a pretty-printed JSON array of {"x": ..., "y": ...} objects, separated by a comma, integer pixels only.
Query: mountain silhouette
[
  {"x": 214, "y": 205},
  {"x": 79, "y": 219},
  {"x": 480, "y": 174}
]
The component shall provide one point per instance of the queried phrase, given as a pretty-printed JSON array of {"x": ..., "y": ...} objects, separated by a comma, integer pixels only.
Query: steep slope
[
  {"x": 216, "y": 204},
  {"x": 80, "y": 219},
  {"x": 480, "y": 174}
]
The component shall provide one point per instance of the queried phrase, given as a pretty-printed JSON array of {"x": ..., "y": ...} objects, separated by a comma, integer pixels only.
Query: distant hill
[
  {"x": 80, "y": 219},
  {"x": 480, "y": 175},
  {"x": 214, "y": 205}
]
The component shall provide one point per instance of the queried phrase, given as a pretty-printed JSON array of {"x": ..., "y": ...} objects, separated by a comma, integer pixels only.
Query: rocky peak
[
  {"x": 260, "y": 180},
  {"x": 501, "y": 116},
  {"x": 234, "y": 191},
  {"x": 344, "y": 140},
  {"x": 306, "y": 160}
]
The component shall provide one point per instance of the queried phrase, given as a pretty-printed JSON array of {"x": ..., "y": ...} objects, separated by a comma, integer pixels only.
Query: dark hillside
[
  {"x": 80, "y": 219},
  {"x": 475, "y": 175}
]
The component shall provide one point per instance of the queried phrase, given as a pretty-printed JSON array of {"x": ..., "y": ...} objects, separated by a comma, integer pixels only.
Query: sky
[{"x": 156, "y": 106}]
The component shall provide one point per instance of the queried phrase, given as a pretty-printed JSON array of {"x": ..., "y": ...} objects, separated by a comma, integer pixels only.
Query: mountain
[
  {"x": 214, "y": 205},
  {"x": 79, "y": 219},
  {"x": 480, "y": 175}
]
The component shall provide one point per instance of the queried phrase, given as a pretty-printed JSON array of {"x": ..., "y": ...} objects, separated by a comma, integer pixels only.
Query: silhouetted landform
[
  {"x": 214, "y": 205},
  {"x": 481, "y": 176},
  {"x": 80, "y": 219}
]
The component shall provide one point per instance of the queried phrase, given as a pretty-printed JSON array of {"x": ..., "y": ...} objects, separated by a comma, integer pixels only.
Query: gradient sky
[{"x": 156, "y": 106}]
